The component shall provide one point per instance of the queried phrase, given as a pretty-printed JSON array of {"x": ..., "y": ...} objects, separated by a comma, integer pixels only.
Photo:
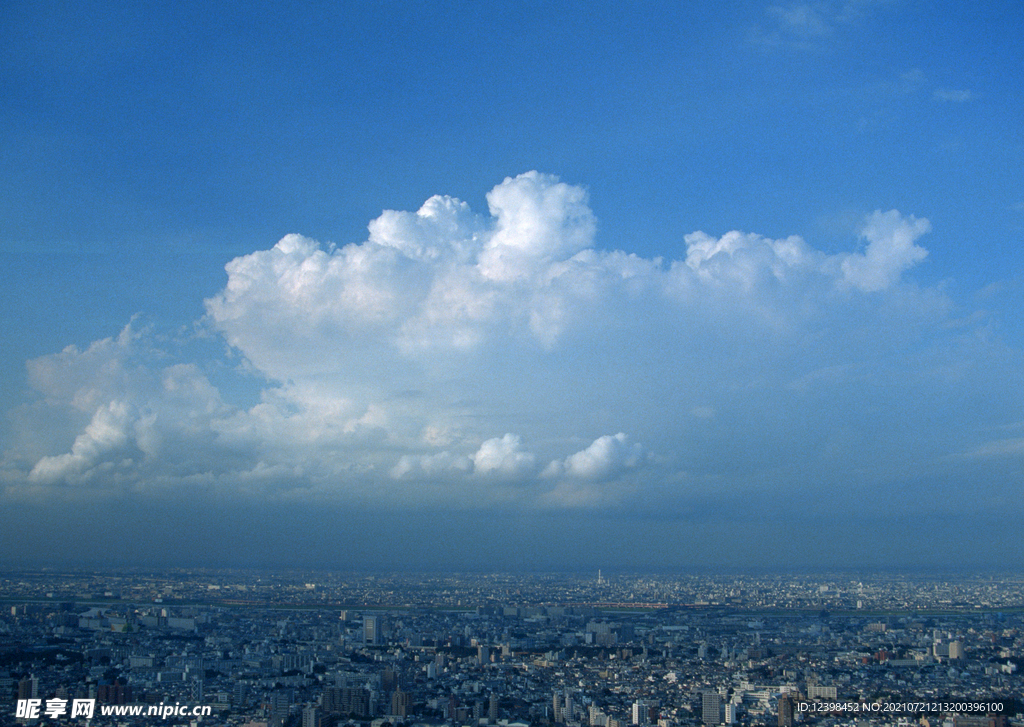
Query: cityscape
[
  {"x": 511, "y": 364},
  {"x": 316, "y": 649}
]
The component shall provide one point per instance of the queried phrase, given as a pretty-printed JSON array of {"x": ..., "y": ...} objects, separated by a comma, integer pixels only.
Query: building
[
  {"x": 785, "y": 711},
  {"x": 372, "y": 630},
  {"x": 818, "y": 691},
  {"x": 28, "y": 688},
  {"x": 346, "y": 701},
  {"x": 399, "y": 703},
  {"x": 711, "y": 708},
  {"x": 311, "y": 717}
]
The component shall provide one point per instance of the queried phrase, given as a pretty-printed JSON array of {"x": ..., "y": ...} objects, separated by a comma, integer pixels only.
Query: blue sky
[{"x": 655, "y": 285}]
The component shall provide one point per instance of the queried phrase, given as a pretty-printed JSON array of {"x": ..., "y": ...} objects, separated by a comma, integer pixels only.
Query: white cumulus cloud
[
  {"x": 889, "y": 252},
  {"x": 382, "y": 371},
  {"x": 606, "y": 457},
  {"x": 503, "y": 456}
]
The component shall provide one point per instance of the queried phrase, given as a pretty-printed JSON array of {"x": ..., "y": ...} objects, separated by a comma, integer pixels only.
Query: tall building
[
  {"x": 280, "y": 705},
  {"x": 372, "y": 627},
  {"x": 785, "y": 711},
  {"x": 639, "y": 712},
  {"x": 28, "y": 688},
  {"x": 310, "y": 717},
  {"x": 711, "y": 708},
  {"x": 556, "y": 707},
  {"x": 399, "y": 703},
  {"x": 492, "y": 709}
]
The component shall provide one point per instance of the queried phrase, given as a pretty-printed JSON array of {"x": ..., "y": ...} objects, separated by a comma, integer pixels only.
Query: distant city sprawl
[{"x": 249, "y": 648}]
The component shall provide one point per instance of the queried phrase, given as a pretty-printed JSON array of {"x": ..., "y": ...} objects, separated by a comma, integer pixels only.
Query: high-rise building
[
  {"x": 785, "y": 711},
  {"x": 28, "y": 688},
  {"x": 711, "y": 708},
  {"x": 311, "y": 717},
  {"x": 372, "y": 629},
  {"x": 280, "y": 705},
  {"x": 492, "y": 709},
  {"x": 399, "y": 703}
]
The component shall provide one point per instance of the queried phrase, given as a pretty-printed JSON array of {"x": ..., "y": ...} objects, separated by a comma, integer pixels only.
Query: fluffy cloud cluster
[
  {"x": 606, "y": 456},
  {"x": 475, "y": 358},
  {"x": 445, "y": 279}
]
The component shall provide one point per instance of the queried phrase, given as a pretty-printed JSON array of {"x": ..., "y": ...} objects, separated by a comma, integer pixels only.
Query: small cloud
[
  {"x": 953, "y": 95},
  {"x": 809, "y": 26},
  {"x": 907, "y": 84},
  {"x": 607, "y": 457},
  {"x": 998, "y": 448},
  {"x": 890, "y": 251},
  {"x": 502, "y": 456},
  {"x": 801, "y": 21}
]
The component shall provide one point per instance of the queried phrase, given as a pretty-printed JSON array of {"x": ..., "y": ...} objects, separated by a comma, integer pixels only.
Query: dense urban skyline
[
  {"x": 513, "y": 288},
  {"x": 321, "y": 649}
]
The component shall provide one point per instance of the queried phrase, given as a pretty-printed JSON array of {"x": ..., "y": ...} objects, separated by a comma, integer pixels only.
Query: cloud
[
  {"x": 1013, "y": 447},
  {"x": 497, "y": 457},
  {"x": 387, "y": 371},
  {"x": 594, "y": 476},
  {"x": 103, "y": 441},
  {"x": 607, "y": 457},
  {"x": 953, "y": 95},
  {"x": 537, "y": 221},
  {"x": 812, "y": 26},
  {"x": 428, "y": 465},
  {"x": 803, "y": 21},
  {"x": 889, "y": 252},
  {"x": 503, "y": 456},
  {"x": 444, "y": 280}
]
